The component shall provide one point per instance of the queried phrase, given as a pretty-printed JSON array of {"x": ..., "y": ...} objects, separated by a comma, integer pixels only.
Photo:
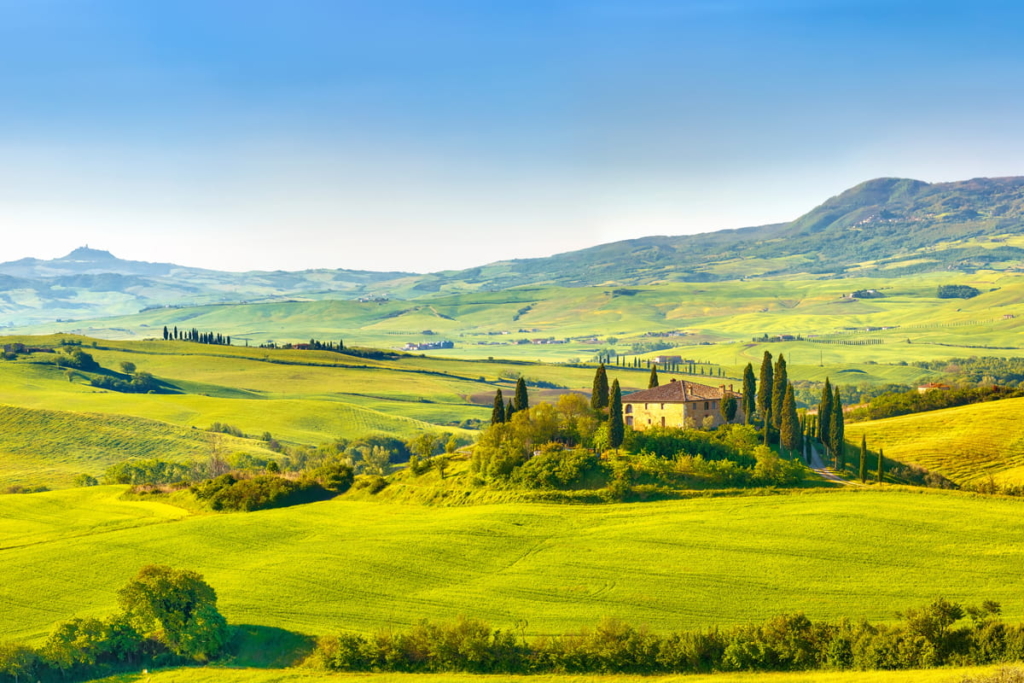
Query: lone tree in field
[
  {"x": 616, "y": 427},
  {"x": 863, "y": 458},
  {"x": 179, "y": 607},
  {"x": 522, "y": 400},
  {"x": 599, "y": 393},
  {"x": 789, "y": 424},
  {"x": 498, "y": 412},
  {"x": 780, "y": 381},
  {"x": 728, "y": 407},
  {"x": 653, "y": 379},
  {"x": 749, "y": 394}
]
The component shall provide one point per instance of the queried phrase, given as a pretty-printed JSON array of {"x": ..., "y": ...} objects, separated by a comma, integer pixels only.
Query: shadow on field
[{"x": 266, "y": 647}]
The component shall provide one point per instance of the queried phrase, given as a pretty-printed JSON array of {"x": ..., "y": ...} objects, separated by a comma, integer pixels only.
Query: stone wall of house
[{"x": 642, "y": 416}]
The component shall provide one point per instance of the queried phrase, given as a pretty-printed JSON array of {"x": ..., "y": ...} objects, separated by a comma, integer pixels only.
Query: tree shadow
[{"x": 266, "y": 647}]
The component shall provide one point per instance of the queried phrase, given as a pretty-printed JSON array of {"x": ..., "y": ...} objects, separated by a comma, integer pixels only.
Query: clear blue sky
[{"x": 423, "y": 135}]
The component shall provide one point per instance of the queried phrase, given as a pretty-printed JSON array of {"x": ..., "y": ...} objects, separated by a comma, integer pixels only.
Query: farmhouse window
[
  {"x": 629, "y": 407},
  {"x": 663, "y": 421},
  {"x": 705, "y": 405},
  {"x": 629, "y": 421}
]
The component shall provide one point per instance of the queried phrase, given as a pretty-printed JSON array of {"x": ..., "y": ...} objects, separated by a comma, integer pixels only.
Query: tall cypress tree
[
  {"x": 599, "y": 393},
  {"x": 863, "y": 458},
  {"x": 616, "y": 428},
  {"x": 510, "y": 410},
  {"x": 498, "y": 412},
  {"x": 881, "y": 465},
  {"x": 764, "y": 387},
  {"x": 522, "y": 400},
  {"x": 789, "y": 425},
  {"x": 779, "y": 383},
  {"x": 825, "y": 416},
  {"x": 749, "y": 394},
  {"x": 166, "y": 333},
  {"x": 835, "y": 431},
  {"x": 652, "y": 381}
]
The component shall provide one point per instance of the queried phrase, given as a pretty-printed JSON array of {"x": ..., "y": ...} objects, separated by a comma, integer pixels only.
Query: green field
[
  {"x": 218, "y": 675},
  {"x": 364, "y": 565},
  {"x": 966, "y": 444}
]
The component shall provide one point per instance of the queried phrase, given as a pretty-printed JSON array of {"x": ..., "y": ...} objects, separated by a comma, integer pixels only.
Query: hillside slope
[{"x": 965, "y": 444}]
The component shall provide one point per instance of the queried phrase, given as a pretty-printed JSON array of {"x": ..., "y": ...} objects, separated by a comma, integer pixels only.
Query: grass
[
  {"x": 965, "y": 444},
  {"x": 220, "y": 675},
  {"x": 365, "y": 565}
]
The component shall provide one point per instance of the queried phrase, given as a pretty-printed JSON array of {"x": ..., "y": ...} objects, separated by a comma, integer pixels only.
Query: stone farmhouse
[{"x": 678, "y": 404}]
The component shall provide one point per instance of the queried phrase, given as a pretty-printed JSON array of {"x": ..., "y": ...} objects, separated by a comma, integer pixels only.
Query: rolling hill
[{"x": 888, "y": 227}]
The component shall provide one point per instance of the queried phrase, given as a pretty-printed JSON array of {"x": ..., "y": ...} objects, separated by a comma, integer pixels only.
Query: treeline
[
  {"x": 979, "y": 370},
  {"x": 942, "y": 633},
  {"x": 913, "y": 401},
  {"x": 194, "y": 335},
  {"x": 957, "y": 292}
]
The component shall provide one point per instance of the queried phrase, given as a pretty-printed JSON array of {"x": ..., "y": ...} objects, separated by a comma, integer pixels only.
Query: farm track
[{"x": 826, "y": 472}]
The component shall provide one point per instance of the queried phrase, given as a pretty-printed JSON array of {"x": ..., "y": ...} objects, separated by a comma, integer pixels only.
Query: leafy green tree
[
  {"x": 179, "y": 607},
  {"x": 780, "y": 380},
  {"x": 599, "y": 393},
  {"x": 17, "y": 661},
  {"x": 127, "y": 367},
  {"x": 498, "y": 411},
  {"x": 789, "y": 425},
  {"x": 616, "y": 426},
  {"x": 522, "y": 399},
  {"x": 863, "y": 458},
  {"x": 764, "y": 387},
  {"x": 652, "y": 381},
  {"x": 376, "y": 460},
  {"x": 728, "y": 407},
  {"x": 749, "y": 394}
]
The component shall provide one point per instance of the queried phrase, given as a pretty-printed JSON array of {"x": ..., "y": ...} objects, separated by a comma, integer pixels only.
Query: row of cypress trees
[{"x": 502, "y": 412}]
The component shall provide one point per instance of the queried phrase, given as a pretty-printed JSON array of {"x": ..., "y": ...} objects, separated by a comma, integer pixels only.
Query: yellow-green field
[
  {"x": 363, "y": 565},
  {"x": 219, "y": 675},
  {"x": 965, "y": 444}
]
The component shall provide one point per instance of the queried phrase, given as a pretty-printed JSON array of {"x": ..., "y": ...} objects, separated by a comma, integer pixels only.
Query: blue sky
[{"x": 432, "y": 134}]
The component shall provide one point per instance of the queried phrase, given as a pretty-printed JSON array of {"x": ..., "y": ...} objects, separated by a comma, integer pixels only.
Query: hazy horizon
[{"x": 421, "y": 137}]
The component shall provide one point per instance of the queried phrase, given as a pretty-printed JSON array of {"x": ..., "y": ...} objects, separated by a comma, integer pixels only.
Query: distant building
[
  {"x": 666, "y": 360},
  {"x": 678, "y": 404},
  {"x": 932, "y": 386},
  {"x": 429, "y": 346}
]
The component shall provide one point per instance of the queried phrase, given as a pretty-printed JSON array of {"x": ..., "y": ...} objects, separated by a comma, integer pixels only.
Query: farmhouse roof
[{"x": 677, "y": 392}]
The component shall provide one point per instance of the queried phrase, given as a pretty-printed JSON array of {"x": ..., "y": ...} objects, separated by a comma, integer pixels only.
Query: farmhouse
[{"x": 678, "y": 404}]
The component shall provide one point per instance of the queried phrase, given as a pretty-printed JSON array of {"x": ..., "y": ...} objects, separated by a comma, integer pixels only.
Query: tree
[
  {"x": 653, "y": 379},
  {"x": 825, "y": 416},
  {"x": 616, "y": 427},
  {"x": 16, "y": 660},
  {"x": 749, "y": 394},
  {"x": 178, "y": 605},
  {"x": 863, "y": 458},
  {"x": 764, "y": 389},
  {"x": 836, "y": 431},
  {"x": 881, "y": 466},
  {"x": 377, "y": 460},
  {"x": 599, "y": 393},
  {"x": 167, "y": 334},
  {"x": 780, "y": 381},
  {"x": 522, "y": 399},
  {"x": 789, "y": 424},
  {"x": 728, "y": 407},
  {"x": 509, "y": 411},
  {"x": 498, "y": 412},
  {"x": 127, "y": 367}
]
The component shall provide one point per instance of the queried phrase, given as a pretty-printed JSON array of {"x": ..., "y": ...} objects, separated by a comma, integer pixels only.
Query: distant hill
[{"x": 887, "y": 227}]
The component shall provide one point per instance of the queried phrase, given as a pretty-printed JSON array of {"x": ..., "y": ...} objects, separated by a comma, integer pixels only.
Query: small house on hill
[
  {"x": 678, "y": 404},
  {"x": 932, "y": 386}
]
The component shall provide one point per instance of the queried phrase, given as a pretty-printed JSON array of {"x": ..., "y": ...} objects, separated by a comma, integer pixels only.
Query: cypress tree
[
  {"x": 509, "y": 411},
  {"x": 165, "y": 333},
  {"x": 767, "y": 423},
  {"x": 780, "y": 381},
  {"x": 764, "y": 387},
  {"x": 498, "y": 412},
  {"x": 522, "y": 400},
  {"x": 616, "y": 428},
  {"x": 881, "y": 465},
  {"x": 835, "y": 432},
  {"x": 825, "y": 416},
  {"x": 789, "y": 424},
  {"x": 863, "y": 458},
  {"x": 175, "y": 331},
  {"x": 599, "y": 393},
  {"x": 749, "y": 394},
  {"x": 653, "y": 380}
]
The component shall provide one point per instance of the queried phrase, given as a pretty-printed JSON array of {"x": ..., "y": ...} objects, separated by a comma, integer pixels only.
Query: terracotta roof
[{"x": 677, "y": 392}]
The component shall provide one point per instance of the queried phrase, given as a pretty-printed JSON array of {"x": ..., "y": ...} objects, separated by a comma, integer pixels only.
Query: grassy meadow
[
  {"x": 219, "y": 675},
  {"x": 965, "y": 444},
  {"x": 362, "y": 565}
]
